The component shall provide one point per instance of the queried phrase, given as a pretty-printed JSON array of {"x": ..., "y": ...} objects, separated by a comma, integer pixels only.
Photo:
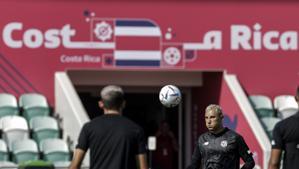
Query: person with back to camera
[
  {"x": 115, "y": 142},
  {"x": 220, "y": 147},
  {"x": 286, "y": 138}
]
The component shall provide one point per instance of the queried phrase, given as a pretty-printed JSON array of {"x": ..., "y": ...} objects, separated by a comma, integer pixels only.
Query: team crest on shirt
[{"x": 223, "y": 143}]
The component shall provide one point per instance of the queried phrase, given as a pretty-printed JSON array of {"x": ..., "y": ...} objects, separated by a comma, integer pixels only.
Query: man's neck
[
  {"x": 111, "y": 112},
  {"x": 219, "y": 130}
]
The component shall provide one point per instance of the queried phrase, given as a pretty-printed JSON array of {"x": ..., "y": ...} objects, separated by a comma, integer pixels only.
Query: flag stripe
[
  {"x": 137, "y": 31},
  {"x": 137, "y": 43},
  {"x": 134, "y": 23},
  {"x": 137, "y": 55},
  {"x": 137, "y": 63}
]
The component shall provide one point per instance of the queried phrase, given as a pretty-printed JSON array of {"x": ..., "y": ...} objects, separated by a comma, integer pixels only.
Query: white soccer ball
[{"x": 170, "y": 96}]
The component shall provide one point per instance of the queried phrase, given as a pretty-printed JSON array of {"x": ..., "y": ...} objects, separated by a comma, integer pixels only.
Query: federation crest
[
  {"x": 223, "y": 143},
  {"x": 172, "y": 55},
  {"x": 103, "y": 31}
]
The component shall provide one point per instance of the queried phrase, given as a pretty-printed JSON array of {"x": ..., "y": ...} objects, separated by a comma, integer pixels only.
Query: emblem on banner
[
  {"x": 172, "y": 55},
  {"x": 103, "y": 31}
]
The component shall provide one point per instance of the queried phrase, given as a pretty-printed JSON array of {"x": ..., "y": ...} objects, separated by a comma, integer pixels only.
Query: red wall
[
  {"x": 259, "y": 71},
  {"x": 237, "y": 119},
  {"x": 209, "y": 93}
]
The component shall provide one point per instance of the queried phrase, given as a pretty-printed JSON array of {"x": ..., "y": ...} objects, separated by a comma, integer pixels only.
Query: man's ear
[
  {"x": 101, "y": 104},
  {"x": 221, "y": 116}
]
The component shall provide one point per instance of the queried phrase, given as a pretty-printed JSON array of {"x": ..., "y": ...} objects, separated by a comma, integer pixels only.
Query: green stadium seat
[
  {"x": 33, "y": 105},
  {"x": 3, "y": 151},
  {"x": 8, "y": 105},
  {"x": 55, "y": 150},
  {"x": 269, "y": 124},
  {"x": 286, "y": 106},
  {"x": 8, "y": 165},
  {"x": 24, "y": 150},
  {"x": 262, "y": 105},
  {"x": 14, "y": 128},
  {"x": 44, "y": 127}
]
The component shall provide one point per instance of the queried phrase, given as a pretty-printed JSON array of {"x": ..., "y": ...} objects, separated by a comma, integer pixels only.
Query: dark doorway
[{"x": 146, "y": 110}]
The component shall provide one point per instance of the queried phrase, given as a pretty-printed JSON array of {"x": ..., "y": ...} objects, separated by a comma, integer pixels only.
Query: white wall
[{"x": 68, "y": 105}]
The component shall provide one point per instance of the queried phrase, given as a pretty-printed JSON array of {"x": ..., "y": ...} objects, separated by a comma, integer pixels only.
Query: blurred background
[{"x": 55, "y": 57}]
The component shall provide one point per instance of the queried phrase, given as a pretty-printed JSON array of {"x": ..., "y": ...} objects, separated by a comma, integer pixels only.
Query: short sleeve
[
  {"x": 277, "y": 142},
  {"x": 83, "y": 142},
  {"x": 141, "y": 142}
]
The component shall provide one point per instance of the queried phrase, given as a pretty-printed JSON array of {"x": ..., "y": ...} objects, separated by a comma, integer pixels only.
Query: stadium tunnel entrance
[{"x": 143, "y": 106}]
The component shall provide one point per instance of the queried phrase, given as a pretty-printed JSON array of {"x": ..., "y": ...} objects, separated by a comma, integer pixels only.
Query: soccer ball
[{"x": 170, "y": 96}]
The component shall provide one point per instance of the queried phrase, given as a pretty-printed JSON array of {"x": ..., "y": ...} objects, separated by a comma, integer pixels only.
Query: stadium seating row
[
  {"x": 28, "y": 132},
  {"x": 40, "y": 127},
  {"x": 283, "y": 107},
  {"x": 37, "y": 164},
  {"x": 53, "y": 150},
  {"x": 30, "y": 104}
]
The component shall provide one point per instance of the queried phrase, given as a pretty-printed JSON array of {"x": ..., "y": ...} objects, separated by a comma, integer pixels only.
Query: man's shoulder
[
  {"x": 120, "y": 123},
  {"x": 233, "y": 134},
  {"x": 205, "y": 134},
  {"x": 127, "y": 124},
  {"x": 119, "y": 119},
  {"x": 204, "y": 137},
  {"x": 291, "y": 119},
  {"x": 94, "y": 120},
  {"x": 288, "y": 121},
  {"x": 130, "y": 122}
]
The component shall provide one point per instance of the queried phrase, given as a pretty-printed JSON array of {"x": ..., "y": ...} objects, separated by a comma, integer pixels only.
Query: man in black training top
[
  {"x": 286, "y": 138},
  {"x": 115, "y": 142},
  {"x": 220, "y": 147}
]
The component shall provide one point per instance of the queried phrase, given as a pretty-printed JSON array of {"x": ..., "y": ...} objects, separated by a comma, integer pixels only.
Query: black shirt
[
  {"x": 286, "y": 137},
  {"x": 114, "y": 142},
  {"x": 221, "y": 151}
]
